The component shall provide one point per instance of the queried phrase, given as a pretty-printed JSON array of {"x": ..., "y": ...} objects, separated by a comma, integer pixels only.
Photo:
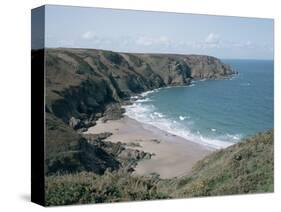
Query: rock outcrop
[
  {"x": 83, "y": 85},
  {"x": 67, "y": 151},
  {"x": 127, "y": 157}
]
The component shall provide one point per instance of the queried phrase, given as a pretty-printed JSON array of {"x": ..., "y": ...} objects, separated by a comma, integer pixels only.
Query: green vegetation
[
  {"x": 243, "y": 168},
  {"x": 135, "y": 60},
  {"x": 88, "y": 187},
  {"x": 246, "y": 167},
  {"x": 113, "y": 57}
]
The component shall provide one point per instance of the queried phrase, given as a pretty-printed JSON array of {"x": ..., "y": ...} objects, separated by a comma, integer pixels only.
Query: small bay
[{"x": 216, "y": 113}]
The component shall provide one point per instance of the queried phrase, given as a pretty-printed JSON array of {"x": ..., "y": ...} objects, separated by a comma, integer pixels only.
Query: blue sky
[{"x": 158, "y": 32}]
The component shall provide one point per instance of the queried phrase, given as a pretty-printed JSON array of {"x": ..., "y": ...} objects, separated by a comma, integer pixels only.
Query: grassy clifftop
[{"x": 243, "y": 168}]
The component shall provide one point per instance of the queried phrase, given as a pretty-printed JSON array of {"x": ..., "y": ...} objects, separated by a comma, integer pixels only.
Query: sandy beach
[{"x": 174, "y": 155}]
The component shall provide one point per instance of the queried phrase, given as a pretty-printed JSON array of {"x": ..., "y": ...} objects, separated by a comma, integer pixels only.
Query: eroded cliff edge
[{"x": 84, "y": 84}]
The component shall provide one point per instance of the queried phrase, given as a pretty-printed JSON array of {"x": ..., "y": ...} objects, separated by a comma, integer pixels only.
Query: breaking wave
[{"x": 148, "y": 114}]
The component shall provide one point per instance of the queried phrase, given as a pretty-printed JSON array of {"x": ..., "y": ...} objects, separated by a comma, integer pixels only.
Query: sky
[{"x": 159, "y": 32}]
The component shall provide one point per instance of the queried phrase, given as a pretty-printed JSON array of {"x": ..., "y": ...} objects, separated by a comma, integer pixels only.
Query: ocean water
[{"x": 216, "y": 113}]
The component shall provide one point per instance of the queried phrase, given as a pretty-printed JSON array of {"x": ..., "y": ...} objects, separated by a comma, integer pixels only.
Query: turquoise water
[{"x": 216, "y": 113}]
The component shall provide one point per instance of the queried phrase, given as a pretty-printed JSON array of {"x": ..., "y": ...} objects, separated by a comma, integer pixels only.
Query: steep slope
[
  {"x": 84, "y": 81},
  {"x": 243, "y": 168},
  {"x": 66, "y": 151},
  {"x": 246, "y": 167},
  {"x": 84, "y": 84}
]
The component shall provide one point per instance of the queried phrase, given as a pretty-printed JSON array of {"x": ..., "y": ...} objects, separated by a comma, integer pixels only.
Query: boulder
[
  {"x": 98, "y": 115},
  {"x": 74, "y": 122},
  {"x": 113, "y": 112}
]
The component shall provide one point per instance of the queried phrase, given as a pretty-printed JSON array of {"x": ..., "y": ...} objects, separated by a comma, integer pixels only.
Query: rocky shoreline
[
  {"x": 85, "y": 85},
  {"x": 127, "y": 157}
]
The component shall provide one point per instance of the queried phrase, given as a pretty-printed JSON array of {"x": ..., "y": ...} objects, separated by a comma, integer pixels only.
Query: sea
[{"x": 215, "y": 113}]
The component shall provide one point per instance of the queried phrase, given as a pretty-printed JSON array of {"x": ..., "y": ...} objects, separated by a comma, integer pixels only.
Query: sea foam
[
  {"x": 148, "y": 114},
  {"x": 182, "y": 118}
]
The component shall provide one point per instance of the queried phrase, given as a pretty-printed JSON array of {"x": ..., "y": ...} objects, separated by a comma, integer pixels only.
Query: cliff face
[
  {"x": 81, "y": 81},
  {"x": 81, "y": 84}
]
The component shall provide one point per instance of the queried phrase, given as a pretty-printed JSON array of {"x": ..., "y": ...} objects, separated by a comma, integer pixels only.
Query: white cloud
[
  {"x": 212, "y": 39},
  {"x": 209, "y": 44},
  {"x": 164, "y": 39},
  {"x": 66, "y": 43},
  {"x": 88, "y": 35},
  {"x": 152, "y": 41},
  {"x": 144, "y": 41}
]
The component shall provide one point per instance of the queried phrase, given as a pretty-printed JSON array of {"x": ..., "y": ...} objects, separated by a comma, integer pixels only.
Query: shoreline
[
  {"x": 142, "y": 97},
  {"x": 173, "y": 156}
]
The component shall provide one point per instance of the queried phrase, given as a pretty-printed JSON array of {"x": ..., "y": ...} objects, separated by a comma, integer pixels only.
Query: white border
[{"x": 15, "y": 104}]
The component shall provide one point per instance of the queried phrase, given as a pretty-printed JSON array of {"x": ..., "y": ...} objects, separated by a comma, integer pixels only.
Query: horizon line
[{"x": 164, "y": 53}]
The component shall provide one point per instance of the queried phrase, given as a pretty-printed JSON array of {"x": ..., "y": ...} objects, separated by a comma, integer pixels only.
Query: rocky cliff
[
  {"x": 84, "y": 84},
  {"x": 80, "y": 83}
]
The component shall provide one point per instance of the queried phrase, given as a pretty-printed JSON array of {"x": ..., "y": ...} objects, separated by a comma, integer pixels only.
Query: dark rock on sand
[
  {"x": 97, "y": 137},
  {"x": 81, "y": 125},
  {"x": 126, "y": 156}
]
